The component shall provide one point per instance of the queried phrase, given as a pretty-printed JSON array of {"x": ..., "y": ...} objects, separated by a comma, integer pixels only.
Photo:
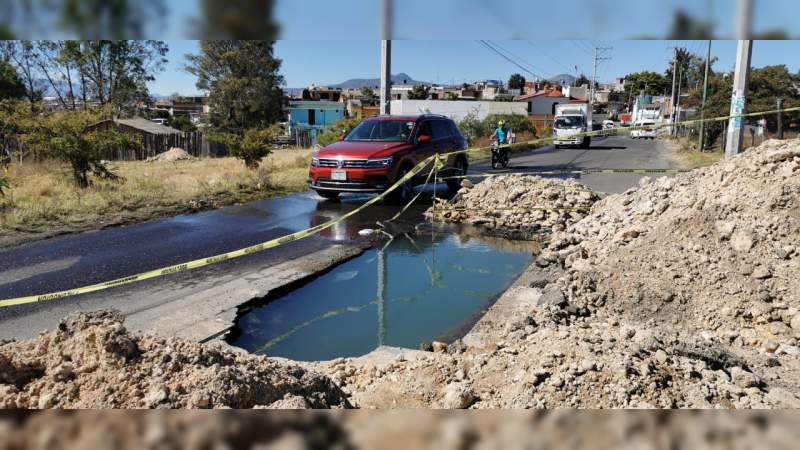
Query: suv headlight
[
  {"x": 379, "y": 162},
  {"x": 315, "y": 161}
]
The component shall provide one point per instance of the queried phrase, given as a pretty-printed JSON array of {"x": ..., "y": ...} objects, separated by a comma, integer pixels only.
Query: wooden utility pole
[
  {"x": 386, "y": 57},
  {"x": 702, "y": 143}
]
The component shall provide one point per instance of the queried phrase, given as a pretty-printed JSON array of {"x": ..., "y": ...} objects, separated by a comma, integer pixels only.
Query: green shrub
[
  {"x": 4, "y": 184},
  {"x": 331, "y": 134},
  {"x": 473, "y": 128},
  {"x": 251, "y": 146}
]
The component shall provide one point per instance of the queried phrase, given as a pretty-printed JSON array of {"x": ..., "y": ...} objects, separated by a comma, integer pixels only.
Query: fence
[{"x": 196, "y": 143}]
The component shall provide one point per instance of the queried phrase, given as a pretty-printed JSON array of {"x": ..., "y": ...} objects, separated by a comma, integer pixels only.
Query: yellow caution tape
[{"x": 197, "y": 263}]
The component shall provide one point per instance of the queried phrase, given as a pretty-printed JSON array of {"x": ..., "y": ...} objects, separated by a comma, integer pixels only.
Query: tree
[
  {"x": 237, "y": 19},
  {"x": 332, "y": 133},
  {"x": 243, "y": 83},
  {"x": 418, "y": 92},
  {"x": 66, "y": 136},
  {"x": 11, "y": 86},
  {"x": 182, "y": 123},
  {"x": 251, "y": 146},
  {"x": 582, "y": 80},
  {"x": 367, "y": 93},
  {"x": 516, "y": 81},
  {"x": 23, "y": 56},
  {"x": 649, "y": 83}
]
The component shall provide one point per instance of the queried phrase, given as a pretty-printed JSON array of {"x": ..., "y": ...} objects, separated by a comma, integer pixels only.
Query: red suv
[{"x": 381, "y": 150}]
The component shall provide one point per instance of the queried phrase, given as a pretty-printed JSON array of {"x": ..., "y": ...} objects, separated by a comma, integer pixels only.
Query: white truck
[{"x": 571, "y": 120}]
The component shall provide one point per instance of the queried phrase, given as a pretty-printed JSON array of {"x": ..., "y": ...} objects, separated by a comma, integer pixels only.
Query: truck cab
[{"x": 571, "y": 121}]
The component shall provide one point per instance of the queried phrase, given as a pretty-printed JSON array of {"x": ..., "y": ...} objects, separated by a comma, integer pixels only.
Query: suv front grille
[{"x": 346, "y": 163}]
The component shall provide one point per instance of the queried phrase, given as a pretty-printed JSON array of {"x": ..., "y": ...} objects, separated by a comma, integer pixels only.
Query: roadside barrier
[{"x": 197, "y": 263}]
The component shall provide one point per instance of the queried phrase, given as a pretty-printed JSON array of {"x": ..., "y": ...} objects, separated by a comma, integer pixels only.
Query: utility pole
[
  {"x": 702, "y": 143},
  {"x": 780, "y": 118},
  {"x": 672, "y": 95},
  {"x": 598, "y": 52},
  {"x": 386, "y": 57},
  {"x": 741, "y": 79}
]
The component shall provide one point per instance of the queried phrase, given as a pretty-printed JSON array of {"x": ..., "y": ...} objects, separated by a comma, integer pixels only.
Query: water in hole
[{"x": 416, "y": 288}]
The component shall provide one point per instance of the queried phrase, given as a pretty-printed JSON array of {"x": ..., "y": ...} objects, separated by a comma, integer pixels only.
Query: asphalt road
[{"x": 77, "y": 260}]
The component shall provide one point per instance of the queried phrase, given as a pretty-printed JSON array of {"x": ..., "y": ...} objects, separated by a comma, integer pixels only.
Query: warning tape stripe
[{"x": 197, "y": 263}]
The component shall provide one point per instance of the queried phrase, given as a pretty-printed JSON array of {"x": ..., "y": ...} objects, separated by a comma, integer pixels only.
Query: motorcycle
[{"x": 499, "y": 155}]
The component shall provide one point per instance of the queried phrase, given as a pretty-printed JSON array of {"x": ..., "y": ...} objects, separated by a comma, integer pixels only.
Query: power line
[
  {"x": 501, "y": 54},
  {"x": 551, "y": 58},
  {"x": 528, "y": 63}
]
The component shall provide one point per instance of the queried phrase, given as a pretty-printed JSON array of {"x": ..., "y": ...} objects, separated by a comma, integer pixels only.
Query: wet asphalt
[{"x": 72, "y": 261}]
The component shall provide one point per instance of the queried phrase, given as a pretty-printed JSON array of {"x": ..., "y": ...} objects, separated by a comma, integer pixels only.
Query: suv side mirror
[
  {"x": 423, "y": 138},
  {"x": 341, "y": 137}
]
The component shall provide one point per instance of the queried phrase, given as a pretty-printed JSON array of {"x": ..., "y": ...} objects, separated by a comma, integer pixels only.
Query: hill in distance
[{"x": 357, "y": 83}]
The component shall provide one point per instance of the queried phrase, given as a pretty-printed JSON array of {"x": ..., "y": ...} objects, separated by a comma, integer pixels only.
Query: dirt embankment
[
  {"x": 681, "y": 293},
  {"x": 92, "y": 361}
]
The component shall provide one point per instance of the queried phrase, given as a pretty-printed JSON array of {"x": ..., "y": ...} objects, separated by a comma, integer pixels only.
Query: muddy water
[{"x": 415, "y": 288}]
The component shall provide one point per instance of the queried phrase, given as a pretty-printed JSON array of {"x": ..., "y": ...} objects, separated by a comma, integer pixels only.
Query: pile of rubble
[
  {"x": 92, "y": 361},
  {"x": 173, "y": 154},
  {"x": 518, "y": 205},
  {"x": 680, "y": 293},
  {"x": 713, "y": 252}
]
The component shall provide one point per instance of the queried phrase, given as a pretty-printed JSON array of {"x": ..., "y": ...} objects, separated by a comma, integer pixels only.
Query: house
[
  {"x": 360, "y": 109},
  {"x": 321, "y": 93},
  {"x": 311, "y": 115},
  {"x": 194, "y": 107},
  {"x": 544, "y": 101},
  {"x": 457, "y": 109}
]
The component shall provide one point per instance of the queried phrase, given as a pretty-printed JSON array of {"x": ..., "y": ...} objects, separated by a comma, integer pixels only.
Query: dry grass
[
  {"x": 44, "y": 199},
  {"x": 684, "y": 151}
]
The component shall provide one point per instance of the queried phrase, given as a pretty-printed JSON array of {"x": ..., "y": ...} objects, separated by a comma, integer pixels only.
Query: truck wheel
[
  {"x": 587, "y": 142},
  {"x": 557, "y": 147}
]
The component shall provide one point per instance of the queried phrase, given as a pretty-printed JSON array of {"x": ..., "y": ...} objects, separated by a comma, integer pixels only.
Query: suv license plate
[{"x": 339, "y": 175}]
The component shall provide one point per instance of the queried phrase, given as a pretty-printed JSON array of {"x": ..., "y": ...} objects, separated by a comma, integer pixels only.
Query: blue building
[{"x": 314, "y": 115}]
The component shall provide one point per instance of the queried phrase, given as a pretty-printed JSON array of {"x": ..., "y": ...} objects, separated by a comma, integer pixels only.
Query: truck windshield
[
  {"x": 569, "y": 122},
  {"x": 382, "y": 131}
]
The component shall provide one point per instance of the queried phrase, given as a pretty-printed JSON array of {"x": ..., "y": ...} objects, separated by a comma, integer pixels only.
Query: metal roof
[{"x": 147, "y": 126}]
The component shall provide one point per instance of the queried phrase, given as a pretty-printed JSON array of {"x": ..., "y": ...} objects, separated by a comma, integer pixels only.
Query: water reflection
[{"x": 410, "y": 289}]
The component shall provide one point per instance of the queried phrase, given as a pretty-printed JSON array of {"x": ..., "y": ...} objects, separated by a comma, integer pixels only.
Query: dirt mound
[
  {"x": 173, "y": 154},
  {"x": 517, "y": 204},
  {"x": 92, "y": 361},
  {"x": 714, "y": 250}
]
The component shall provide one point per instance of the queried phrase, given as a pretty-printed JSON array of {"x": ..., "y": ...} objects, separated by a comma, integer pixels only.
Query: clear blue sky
[{"x": 444, "y": 61}]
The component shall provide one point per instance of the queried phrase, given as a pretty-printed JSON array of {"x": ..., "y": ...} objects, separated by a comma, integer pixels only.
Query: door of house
[{"x": 312, "y": 117}]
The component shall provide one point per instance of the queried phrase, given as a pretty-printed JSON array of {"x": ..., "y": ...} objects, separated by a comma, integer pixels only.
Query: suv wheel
[
  {"x": 459, "y": 169},
  {"x": 404, "y": 192}
]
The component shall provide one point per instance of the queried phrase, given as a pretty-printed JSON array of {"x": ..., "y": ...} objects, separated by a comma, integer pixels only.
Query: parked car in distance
[
  {"x": 608, "y": 123},
  {"x": 159, "y": 121},
  {"x": 644, "y": 133},
  {"x": 381, "y": 150}
]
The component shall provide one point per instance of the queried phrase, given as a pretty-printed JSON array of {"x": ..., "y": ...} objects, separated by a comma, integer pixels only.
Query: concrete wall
[{"x": 456, "y": 109}]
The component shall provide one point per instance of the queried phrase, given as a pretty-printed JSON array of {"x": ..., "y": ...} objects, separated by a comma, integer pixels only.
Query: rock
[
  {"x": 551, "y": 295},
  {"x": 660, "y": 356},
  {"x": 741, "y": 241},
  {"x": 465, "y": 183},
  {"x": 783, "y": 398},
  {"x": 156, "y": 396},
  {"x": 761, "y": 273},
  {"x": 586, "y": 366},
  {"x": 438, "y": 347},
  {"x": 795, "y": 322},
  {"x": 457, "y": 396},
  {"x": 290, "y": 402},
  {"x": 743, "y": 378}
]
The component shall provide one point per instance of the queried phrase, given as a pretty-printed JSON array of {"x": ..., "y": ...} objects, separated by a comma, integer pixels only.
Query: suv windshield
[
  {"x": 382, "y": 130},
  {"x": 569, "y": 122}
]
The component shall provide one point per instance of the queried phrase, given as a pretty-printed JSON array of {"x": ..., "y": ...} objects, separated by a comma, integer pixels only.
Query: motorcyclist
[{"x": 501, "y": 132}]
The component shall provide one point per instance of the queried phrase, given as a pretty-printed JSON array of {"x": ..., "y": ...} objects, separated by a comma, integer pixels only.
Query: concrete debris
[
  {"x": 173, "y": 154},
  {"x": 517, "y": 204},
  {"x": 92, "y": 361}
]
